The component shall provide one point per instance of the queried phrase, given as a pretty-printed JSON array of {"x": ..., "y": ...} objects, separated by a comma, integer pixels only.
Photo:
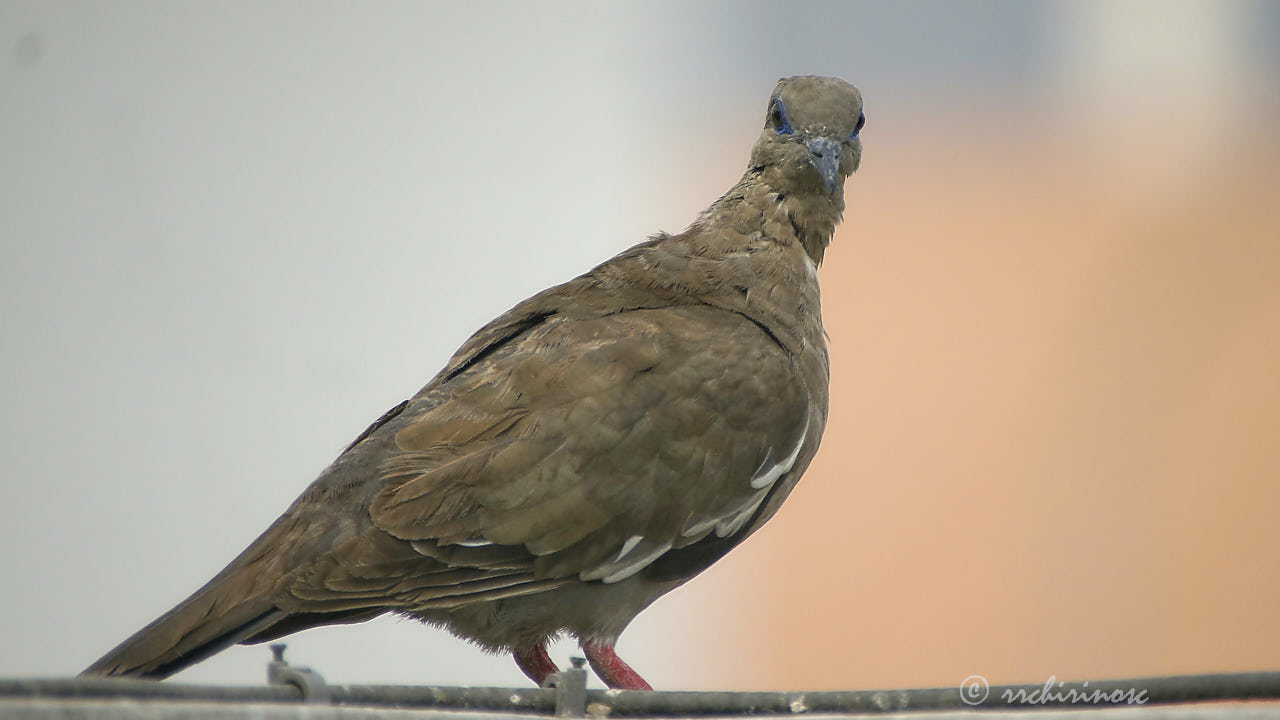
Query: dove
[{"x": 591, "y": 449}]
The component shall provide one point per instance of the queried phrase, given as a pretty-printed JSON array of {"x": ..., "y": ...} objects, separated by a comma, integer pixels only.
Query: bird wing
[{"x": 574, "y": 448}]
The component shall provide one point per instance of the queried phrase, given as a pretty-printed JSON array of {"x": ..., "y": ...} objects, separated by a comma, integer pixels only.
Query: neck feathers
[{"x": 755, "y": 206}]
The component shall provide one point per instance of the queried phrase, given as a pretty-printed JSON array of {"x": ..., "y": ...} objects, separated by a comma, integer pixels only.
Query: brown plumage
[{"x": 591, "y": 449}]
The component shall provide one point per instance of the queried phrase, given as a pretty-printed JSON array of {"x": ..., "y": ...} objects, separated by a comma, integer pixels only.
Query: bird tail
[
  {"x": 209, "y": 621},
  {"x": 232, "y": 607},
  {"x": 236, "y": 606},
  {"x": 201, "y": 627}
]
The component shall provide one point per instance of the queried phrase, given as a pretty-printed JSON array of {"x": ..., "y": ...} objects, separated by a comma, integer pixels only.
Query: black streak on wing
[
  {"x": 386, "y": 418},
  {"x": 513, "y": 331}
]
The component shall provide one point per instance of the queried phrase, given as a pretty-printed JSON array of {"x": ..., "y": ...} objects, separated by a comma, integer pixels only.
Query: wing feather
[{"x": 633, "y": 427}]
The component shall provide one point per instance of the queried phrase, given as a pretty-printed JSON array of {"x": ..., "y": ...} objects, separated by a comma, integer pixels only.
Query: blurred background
[{"x": 234, "y": 233}]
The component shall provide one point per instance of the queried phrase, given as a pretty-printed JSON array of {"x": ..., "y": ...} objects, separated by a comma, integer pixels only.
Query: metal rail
[{"x": 569, "y": 698}]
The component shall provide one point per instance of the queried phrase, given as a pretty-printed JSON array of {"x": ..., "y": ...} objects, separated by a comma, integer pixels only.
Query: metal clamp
[
  {"x": 571, "y": 689},
  {"x": 309, "y": 682}
]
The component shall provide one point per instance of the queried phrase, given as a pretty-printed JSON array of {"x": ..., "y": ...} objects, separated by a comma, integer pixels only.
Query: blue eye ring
[
  {"x": 778, "y": 117},
  {"x": 857, "y": 127}
]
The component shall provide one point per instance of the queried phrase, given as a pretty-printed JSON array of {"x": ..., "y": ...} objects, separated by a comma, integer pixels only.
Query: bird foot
[
  {"x": 535, "y": 663},
  {"x": 611, "y": 669}
]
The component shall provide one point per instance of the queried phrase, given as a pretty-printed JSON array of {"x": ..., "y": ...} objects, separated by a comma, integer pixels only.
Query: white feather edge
[
  {"x": 766, "y": 477},
  {"x": 613, "y": 572},
  {"x": 762, "y": 480}
]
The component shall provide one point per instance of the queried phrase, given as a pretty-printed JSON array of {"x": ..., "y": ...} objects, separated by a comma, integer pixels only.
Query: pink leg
[
  {"x": 535, "y": 663},
  {"x": 615, "y": 673}
]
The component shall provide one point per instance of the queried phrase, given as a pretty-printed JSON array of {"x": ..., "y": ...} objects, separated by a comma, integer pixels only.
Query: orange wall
[{"x": 1054, "y": 442}]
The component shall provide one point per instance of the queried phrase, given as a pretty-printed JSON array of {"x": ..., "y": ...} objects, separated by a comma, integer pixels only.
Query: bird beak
[{"x": 825, "y": 154}]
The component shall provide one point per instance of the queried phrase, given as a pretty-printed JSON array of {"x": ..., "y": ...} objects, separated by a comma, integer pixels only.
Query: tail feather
[
  {"x": 234, "y": 605},
  {"x": 184, "y": 636},
  {"x": 297, "y": 622},
  {"x": 237, "y": 604}
]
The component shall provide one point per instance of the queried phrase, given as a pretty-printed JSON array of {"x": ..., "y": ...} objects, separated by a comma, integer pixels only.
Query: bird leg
[
  {"x": 535, "y": 663},
  {"x": 615, "y": 673}
]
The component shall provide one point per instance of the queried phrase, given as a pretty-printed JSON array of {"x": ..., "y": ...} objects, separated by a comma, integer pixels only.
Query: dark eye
[
  {"x": 857, "y": 127},
  {"x": 778, "y": 117}
]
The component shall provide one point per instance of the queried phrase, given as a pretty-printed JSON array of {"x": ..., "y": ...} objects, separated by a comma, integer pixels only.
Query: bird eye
[
  {"x": 857, "y": 127},
  {"x": 778, "y": 117}
]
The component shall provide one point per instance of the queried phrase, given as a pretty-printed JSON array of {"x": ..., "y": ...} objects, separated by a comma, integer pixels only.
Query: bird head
[{"x": 810, "y": 140}]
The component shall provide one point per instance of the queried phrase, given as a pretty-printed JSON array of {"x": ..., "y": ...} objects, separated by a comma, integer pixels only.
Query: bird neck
[{"x": 761, "y": 205}]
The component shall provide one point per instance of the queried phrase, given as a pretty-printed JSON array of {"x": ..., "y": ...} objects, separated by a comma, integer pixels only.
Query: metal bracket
[
  {"x": 308, "y": 681},
  {"x": 571, "y": 689}
]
